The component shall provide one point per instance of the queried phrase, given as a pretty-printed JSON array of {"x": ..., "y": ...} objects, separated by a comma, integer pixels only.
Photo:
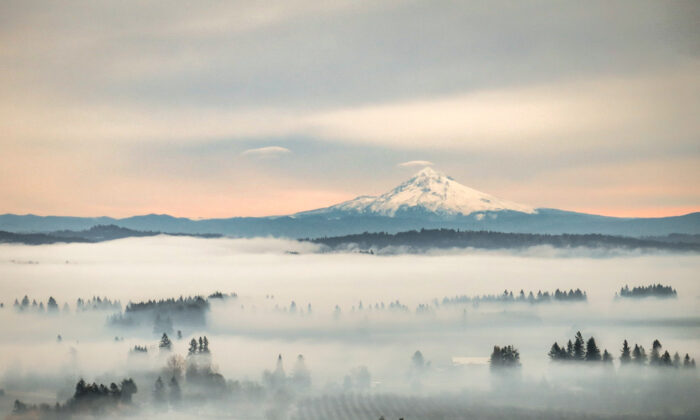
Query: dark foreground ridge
[
  {"x": 424, "y": 239},
  {"x": 99, "y": 233}
]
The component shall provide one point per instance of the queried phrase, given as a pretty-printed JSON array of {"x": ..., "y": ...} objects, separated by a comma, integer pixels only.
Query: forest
[{"x": 425, "y": 239}]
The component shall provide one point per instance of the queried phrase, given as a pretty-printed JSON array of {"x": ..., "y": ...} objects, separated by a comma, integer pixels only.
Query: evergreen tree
[
  {"x": 625, "y": 357},
  {"x": 301, "y": 375},
  {"x": 555, "y": 352},
  {"x": 51, "y": 305},
  {"x": 655, "y": 357},
  {"x": 205, "y": 345},
  {"x": 579, "y": 350},
  {"x": 607, "y": 357},
  {"x": 639, "y": 355},
  {"x": 666, "y": 360},
  {"x": 569, "y": 350},
  {"x": 175, "y": 393},
  {"x": 159, "y": 391},
  {"x": 688, "y": 363},
  {"x": 507, "y": 356},
  {"x": 165, "y": 343},
  {"x": 676, "y": 360},
  {"x": 128, "y": 389},
  {"x": 418, "y": 360},
  {"x": 592, "y": 351},
  {"x": 193, "y": 347}
]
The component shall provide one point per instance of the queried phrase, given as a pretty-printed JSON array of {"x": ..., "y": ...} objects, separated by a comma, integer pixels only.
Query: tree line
[
  {"x": 653, "y": 290},
  {"x": 507, "y": 296},
  {"x": 588, "y": 351}
]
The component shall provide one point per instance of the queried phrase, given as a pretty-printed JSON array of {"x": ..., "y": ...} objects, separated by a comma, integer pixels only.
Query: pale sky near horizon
[{"x": 251, "y": 108}]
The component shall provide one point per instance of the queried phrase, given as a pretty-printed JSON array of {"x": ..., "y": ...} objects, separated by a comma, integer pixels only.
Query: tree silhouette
[
  {"x": 159, "y": 391},
  {"x": 607, "y": 357},
  {"x": 655, "y": 357},
  {"x": 579, "y": 351},
  {"x": 555, "y": 352},
  {"x": 507, "y": 356},
  {"x": 676, "y": 360},
  {"x": 592, "y": 351},
  {"x": 639, "y": 355},
  {"x": 625, "y": 357},
  {"x": 165, "y": 343},
  {"x": 193, "y": 347},
  {"x": 666, "y": 360},
  {"x": 175, "y": 393}
]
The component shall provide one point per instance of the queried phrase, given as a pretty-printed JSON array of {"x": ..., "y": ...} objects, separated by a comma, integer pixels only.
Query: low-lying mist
[{"x": 392, "y": 335}]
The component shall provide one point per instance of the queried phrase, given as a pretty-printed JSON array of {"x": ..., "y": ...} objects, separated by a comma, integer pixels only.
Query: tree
[
  {"x": 507, "y": 356},
  {"x": 301, "y": 375},
  {"x": 128, "y": 389},
  {"x": 165, "y": 343},
  {"x": 639, "y": 355},
  {"x": 655, "y": 357},
  {"x": 205, "y": 345},
  {"x": 193, "y": 347},
  {"x": 159, "y": 391},
  {"x": 51, "y": 305},
  {"x": 666, "y": 360},
  {"x": 607, "y": 357},
  {"x": 688, "y": 363},
  {"x": 592, "y": 351},
  {"x": 579, "y": 351},
  {"x": 418, "y": 360},
  {"x": 555, "y": 352},
  {"x": 676, "y": 360},
  {"x": 625, "y": 357},
  {"x": 175, "y": 393}
]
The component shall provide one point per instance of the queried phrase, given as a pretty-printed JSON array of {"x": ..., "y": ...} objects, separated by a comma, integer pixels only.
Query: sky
[{"x": 250, "y": 108}]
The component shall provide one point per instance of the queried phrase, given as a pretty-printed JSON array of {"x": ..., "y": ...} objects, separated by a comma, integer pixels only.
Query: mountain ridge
[{"x": 428, "y": 200}]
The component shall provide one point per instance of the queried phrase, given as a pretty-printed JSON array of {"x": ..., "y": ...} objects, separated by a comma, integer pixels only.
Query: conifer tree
[
  {"x": 592, "y": 351},
  {"x": 666, "y": 360},
  {"x": 639, "y": 355},
  {"x": 193, "y": 347},
  {"x": 165, "y": 343},
  {"x": 625, "y": 357},
  {"x": 175, "y": 393},
  {"x": 579, "y": 350},
  {"x": 676, "y": 360},
  {"x": 159, "y": 391},
  {"x": 607, "y": 357},
  {"x": 555, "y": 352},
  {"x": 655, "y": 357}
]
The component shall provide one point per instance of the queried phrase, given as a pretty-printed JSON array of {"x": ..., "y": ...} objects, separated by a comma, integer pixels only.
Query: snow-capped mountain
[
  {"x": 429, "y": 200},
  {"x": 430, "y": 192}
]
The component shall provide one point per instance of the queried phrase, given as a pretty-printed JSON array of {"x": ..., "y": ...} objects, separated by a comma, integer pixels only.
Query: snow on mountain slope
[{"x": 428, "y": 191}]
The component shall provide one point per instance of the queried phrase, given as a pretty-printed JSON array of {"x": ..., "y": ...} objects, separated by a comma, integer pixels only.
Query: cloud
[
  {"x": 412, "y": 163},
  {"x": 558, "y": 116},
  {"x": 267, "y": 152}
]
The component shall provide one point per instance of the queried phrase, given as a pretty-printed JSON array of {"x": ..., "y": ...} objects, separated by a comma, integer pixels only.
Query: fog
[{"x": 288, "y": 298}]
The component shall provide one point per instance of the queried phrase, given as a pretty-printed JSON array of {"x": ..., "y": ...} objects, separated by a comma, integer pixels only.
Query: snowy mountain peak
[{"x": 428, "y": 191}]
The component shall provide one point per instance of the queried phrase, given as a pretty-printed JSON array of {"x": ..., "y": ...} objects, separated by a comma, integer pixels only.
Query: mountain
[
  {"x": 428, "y": 192},
  {"x": 429, "y": 200},
  {"x": 98, "y": 233}
]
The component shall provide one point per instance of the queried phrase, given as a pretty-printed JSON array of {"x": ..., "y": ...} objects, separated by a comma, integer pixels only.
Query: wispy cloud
[
  {"x": 412, "y": 163},
  {"x": 267, "y": 152}
]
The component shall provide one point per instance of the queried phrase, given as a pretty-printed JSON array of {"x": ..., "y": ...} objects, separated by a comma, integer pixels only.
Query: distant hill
[
  {"x": 428, "y": 200},
  {"x": 99, "y": 233},
  {"x": 418, "y": 241}
]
